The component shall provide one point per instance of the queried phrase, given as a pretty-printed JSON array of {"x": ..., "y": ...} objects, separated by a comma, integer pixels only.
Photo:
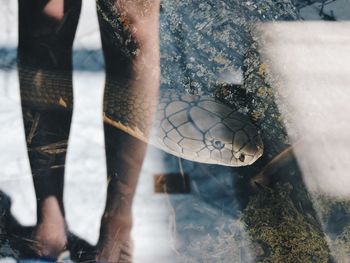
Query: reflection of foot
[
  {"x": 115, "y": 243},
  {"x": 126, "y": 252},
  {"x": 51, "y": 231},
  {"x": 51, "y": 239},
  {"x": 121, "y": 252},
  {"x": 19, "y": 242}
]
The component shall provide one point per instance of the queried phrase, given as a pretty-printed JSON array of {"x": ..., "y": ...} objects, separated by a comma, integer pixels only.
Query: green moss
[{"x": 273, "y": 220}]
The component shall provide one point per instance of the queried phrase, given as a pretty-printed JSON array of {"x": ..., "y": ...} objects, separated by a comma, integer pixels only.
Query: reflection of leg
[
  {"x": 47, "y": 151},
  {"x": 46, "y": 32},
  {"x": 124, "y": 160},
  {"x": 132, "y": 64}
]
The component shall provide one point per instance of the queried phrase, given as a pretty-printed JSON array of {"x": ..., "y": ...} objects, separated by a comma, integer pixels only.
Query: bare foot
[
  {"x": 121, "y": 252},
  {"x": 115, "y": 243},
  {"x": 51, "y": 231}
]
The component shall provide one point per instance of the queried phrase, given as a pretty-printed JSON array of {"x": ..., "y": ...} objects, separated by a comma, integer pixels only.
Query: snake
[
  {"x": 192, "y": 127},
  {"x": 196, "y": 127},
  {"x": 201, "y": 129}
]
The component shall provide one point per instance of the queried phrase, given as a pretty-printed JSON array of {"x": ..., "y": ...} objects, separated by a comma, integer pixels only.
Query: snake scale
[
  {"x": 192, "y": 127},
  {"x": 197, "y": 127}
]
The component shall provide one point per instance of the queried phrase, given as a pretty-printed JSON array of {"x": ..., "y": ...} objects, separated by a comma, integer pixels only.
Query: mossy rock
[{"x": 288, "y": 236}]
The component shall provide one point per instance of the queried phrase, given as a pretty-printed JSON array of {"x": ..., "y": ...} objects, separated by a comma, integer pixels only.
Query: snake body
[
  {"x": 193, "y": 127},
  {"x": 197, "y": 128}
]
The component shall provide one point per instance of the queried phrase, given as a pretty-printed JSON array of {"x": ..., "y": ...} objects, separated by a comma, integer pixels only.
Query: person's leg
[
  {"x": 129, "y": 31},
  {"x": 46, "y": 33}
]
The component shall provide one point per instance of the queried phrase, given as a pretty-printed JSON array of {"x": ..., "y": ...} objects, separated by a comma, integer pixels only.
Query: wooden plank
[{"x": 172, "y": 183}]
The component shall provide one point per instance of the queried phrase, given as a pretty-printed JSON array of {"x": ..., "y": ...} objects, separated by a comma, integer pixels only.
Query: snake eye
[
  {"x": 218, "y": 144},
  {"x": 242, "y": 158}
]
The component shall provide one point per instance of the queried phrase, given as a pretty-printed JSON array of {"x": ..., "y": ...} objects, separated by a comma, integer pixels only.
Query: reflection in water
[
  {"x": 261, "y": 212},
  {"x": 130, "y": 44},
  {"x": 207, "y": 224},
  {"x": 313, "y": 96},
  {"x": 276, "y": 207}
]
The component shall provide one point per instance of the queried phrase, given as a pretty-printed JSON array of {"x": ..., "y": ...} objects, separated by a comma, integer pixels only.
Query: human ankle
[
  {"x": 51, "y": 230},
  {"x": 51, "y": 240}
]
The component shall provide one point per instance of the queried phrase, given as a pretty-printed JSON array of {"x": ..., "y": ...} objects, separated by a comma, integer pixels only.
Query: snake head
[
  {"x": 234, "y": 141},
  {"x": 200, "y": 129}
]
